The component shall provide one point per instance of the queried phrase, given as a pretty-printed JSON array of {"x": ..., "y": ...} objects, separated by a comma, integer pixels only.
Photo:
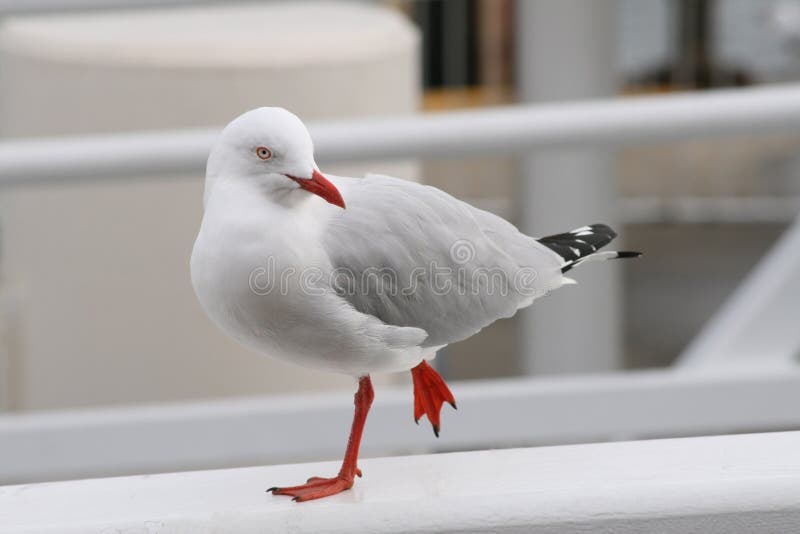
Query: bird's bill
[{"x": 320, "y": 186}]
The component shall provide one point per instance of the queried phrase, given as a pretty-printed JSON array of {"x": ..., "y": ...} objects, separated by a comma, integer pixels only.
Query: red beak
[{"x": 320, "y": 186}]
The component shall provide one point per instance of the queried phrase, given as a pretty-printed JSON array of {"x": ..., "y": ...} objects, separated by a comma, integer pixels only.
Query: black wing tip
[
  {"x": 629, "y": 254},
  {"x": 580, "y": 242},
  {"x": 598, "y": 228}
]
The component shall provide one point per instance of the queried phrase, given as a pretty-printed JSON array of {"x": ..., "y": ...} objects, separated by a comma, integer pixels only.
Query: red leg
[
  {"x": 317, "y": 487},
  {"x": 430, "y": 392}
]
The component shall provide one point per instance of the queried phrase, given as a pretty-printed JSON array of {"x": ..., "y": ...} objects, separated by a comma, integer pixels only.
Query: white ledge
[{"x": 725, "y": 484}]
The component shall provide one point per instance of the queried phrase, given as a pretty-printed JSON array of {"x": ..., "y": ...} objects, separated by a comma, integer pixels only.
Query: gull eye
[{"x": 263, "y": 153}]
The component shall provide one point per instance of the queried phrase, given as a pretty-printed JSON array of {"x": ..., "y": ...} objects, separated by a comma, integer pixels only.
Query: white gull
[{"x": 358, "y": 275}]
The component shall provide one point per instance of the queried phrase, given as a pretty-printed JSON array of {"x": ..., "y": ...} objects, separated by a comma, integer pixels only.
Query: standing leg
[{"x": 317, "y": 487}]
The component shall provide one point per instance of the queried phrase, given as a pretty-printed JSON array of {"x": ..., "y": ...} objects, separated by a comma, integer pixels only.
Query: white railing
[
  {"x": 492, "y": 413},
  {"x": 465, "y": 133},
  {"x": 714, "y": 485}
]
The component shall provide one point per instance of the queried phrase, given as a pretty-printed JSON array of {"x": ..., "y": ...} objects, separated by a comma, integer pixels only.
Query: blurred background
[{"x": 96, "y": 306}]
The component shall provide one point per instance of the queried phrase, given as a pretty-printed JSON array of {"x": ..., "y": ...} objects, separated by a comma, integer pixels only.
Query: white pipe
[
  {"x": 491, "y": 413},
  {"x": 469, "y": 133},
  {"x": 720, "y": 209},
  {"x": 710, "y": 210},
  {"x": 104, "y": 157}
]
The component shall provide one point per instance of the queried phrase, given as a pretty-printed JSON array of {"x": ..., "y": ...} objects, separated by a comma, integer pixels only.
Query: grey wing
[{"x": 412, "y": 255}]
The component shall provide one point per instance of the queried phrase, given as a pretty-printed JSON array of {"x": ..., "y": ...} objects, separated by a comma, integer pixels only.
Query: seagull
[{"x": 358, "y": 275}]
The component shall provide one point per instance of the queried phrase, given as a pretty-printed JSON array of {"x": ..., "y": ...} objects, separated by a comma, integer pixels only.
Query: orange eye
[{"x": 263, "y": 153}]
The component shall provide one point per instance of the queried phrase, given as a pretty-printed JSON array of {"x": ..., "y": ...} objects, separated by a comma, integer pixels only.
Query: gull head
[{"x": 270, "y": 149}]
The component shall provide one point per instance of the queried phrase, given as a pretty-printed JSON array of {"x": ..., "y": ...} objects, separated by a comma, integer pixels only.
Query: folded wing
[{"x": 412, "y": 255}]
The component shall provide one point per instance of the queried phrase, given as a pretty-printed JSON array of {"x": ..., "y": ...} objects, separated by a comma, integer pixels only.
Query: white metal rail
[
  {"x": 224, "y": 433},
  {"x": 714, "y": 485},
  {"x": 627, "y": 121}
]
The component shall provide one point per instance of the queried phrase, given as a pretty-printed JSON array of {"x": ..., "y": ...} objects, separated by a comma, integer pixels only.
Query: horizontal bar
[
  {"x": 710, "y": 210},
  {"x": 683, "y": 209},
  {"x": 494, "y": 413},
  {"x": 27, "y": 7},
  {"x": 714, "y": 485},
  {"x": 634, "y": 120},
  {"x": 104, "y": 157}
]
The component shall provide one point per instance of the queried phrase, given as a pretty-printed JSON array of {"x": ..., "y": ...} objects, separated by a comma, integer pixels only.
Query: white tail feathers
[{"x": 598, "y": 256}]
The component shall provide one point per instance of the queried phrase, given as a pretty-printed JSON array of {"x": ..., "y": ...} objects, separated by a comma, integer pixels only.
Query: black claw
[
  {"x": 295, "y": 499},
  {"x": 416, "y": 421},
  {"x": 273, "y": 488},
  {"x": 436, "y": 430},
  {"x": 453, "y": 404}
]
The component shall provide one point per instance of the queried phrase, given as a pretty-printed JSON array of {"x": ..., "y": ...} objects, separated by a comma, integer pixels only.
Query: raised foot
[
  {"x": 430, "y": 393},
  {"x": 316, "y": 488}
]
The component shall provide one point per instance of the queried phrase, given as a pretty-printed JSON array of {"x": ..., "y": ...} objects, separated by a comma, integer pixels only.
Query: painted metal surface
[
  {"x": 723, "y": 484},
  {"x": 508, "y": 129},
  {"x": 491, "y": 414}
]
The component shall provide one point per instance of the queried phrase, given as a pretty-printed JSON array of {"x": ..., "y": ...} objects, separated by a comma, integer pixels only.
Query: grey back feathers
[{"x": 412, "y": 255}]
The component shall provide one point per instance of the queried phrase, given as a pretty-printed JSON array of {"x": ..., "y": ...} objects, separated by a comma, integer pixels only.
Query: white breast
[{"x": 261, "y": 276}]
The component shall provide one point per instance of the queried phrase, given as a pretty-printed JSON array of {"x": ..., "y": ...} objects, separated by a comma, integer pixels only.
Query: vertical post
[
  {"x": 692, "y": 62},
  {"x": 566, "y": 51}
]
